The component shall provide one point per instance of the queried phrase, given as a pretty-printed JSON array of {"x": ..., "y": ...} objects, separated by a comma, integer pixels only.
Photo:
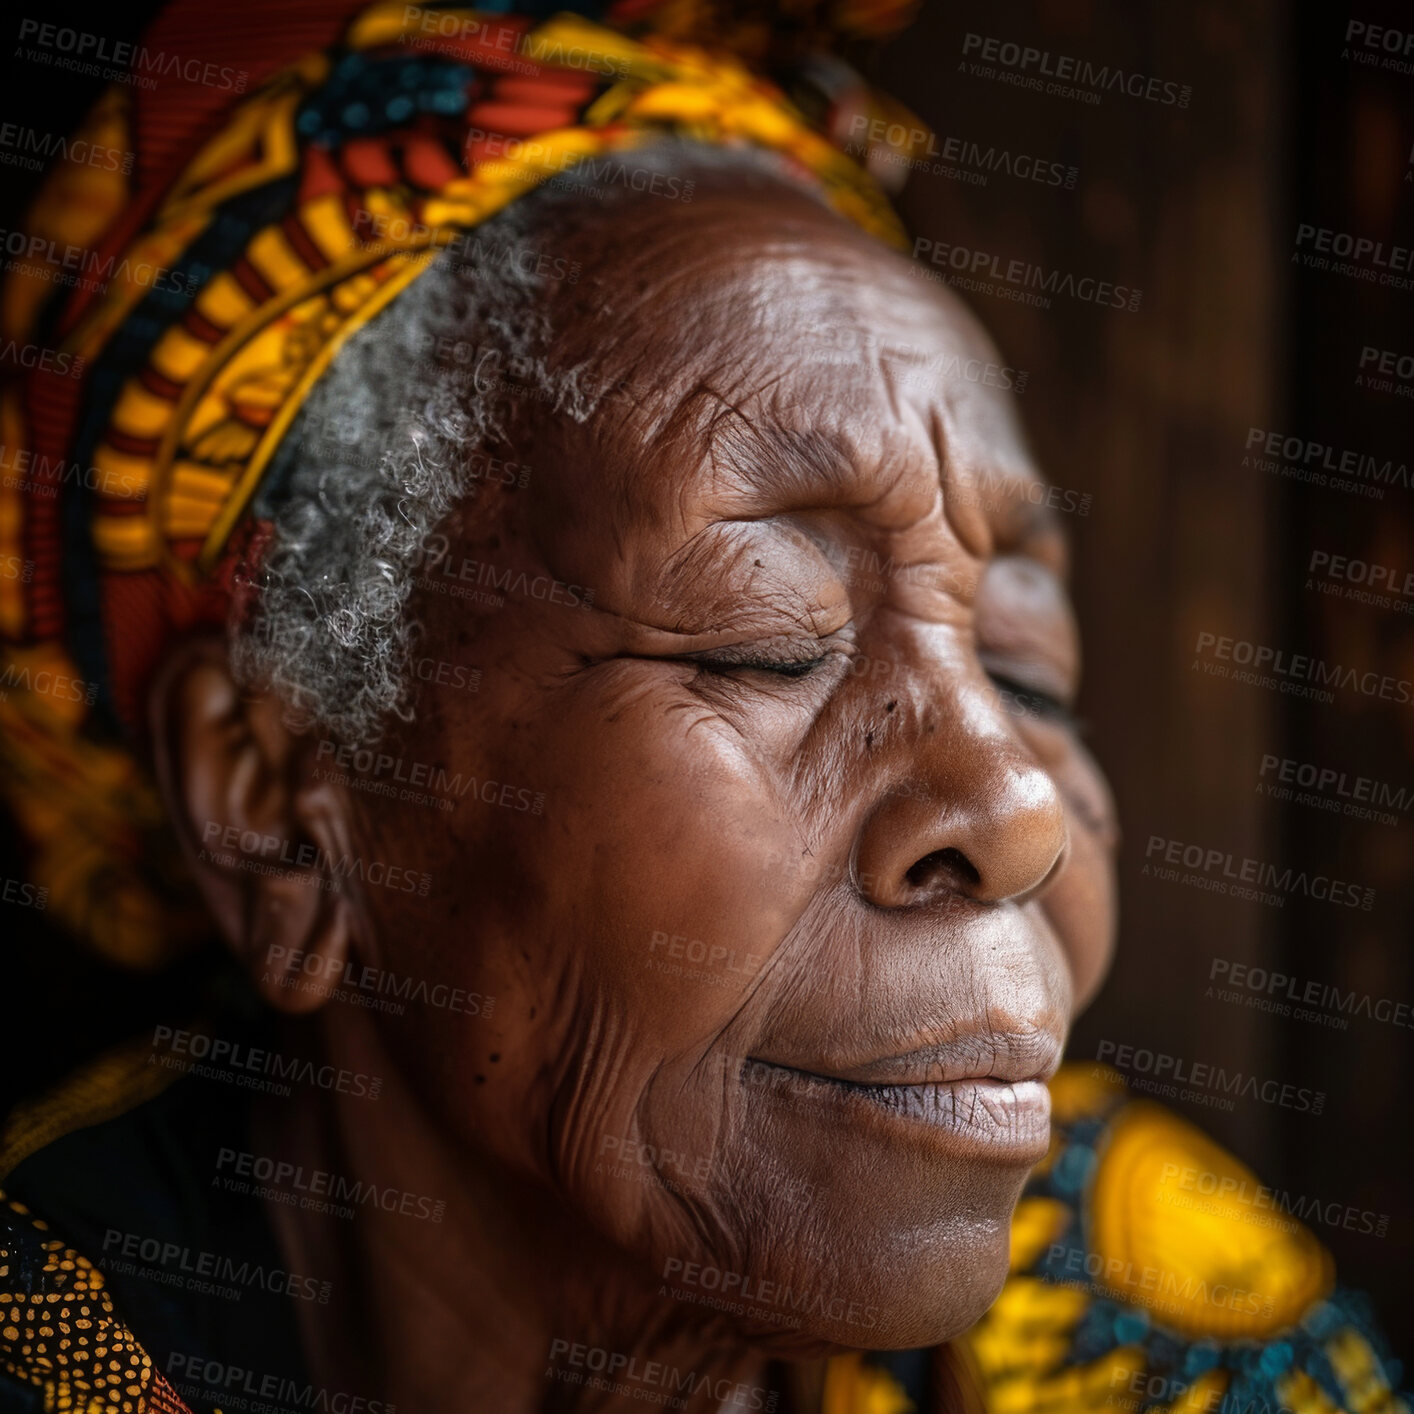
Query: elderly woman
[{"x": 606, "y": 675}]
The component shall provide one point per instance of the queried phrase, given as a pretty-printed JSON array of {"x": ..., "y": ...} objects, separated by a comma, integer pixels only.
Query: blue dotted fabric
[{"x": 1256, "y": 1367}]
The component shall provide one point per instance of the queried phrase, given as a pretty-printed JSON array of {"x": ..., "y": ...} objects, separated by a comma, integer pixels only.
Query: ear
[{"x": 260, "y": 832}]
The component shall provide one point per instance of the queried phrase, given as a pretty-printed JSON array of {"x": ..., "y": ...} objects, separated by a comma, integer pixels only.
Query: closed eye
[
  {"x": 1032, "y": 701},
  {"x": 785, "y": 669}
]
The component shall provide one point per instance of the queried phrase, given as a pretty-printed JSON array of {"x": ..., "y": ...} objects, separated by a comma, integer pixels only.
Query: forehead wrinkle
[
  {"x": 736, "y": 304},
  {"x": 743, "y": 308},
  {"x": 790, "y": 467},
  {"x": 760, "y": 464},
  {"x": 793, "y": 456},
  {"x": 1018, "y": 524},
  {"x": 1021, "y": 524},
  {"x": 706, "y": 421},
  {"x": 973, "y": 532}
]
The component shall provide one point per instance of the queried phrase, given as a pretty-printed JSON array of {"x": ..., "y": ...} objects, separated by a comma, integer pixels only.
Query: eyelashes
[
  {"x": 788, "y": 668},
  {"x": 788, "y": 657},
  {"x": 1032, "y": 701},
  {"x": 1014, "y": 694}
]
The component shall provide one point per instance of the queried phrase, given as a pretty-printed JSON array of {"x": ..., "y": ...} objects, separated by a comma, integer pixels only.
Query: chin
[{"x": 872, "y": 1267}]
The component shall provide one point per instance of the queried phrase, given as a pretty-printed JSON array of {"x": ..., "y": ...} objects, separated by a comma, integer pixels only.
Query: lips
[
  {"x": 981, "y": 1096},
  {"x": 1010, "y": 1054},
  {"x": 987, "y": 1120}
]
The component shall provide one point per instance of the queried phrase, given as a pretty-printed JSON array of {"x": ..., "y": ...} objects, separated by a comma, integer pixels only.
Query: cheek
[
  {"x": 1082, "y": 904},
  {"x": 625, "y": 930},
  {"x": 671, "y": 852}
]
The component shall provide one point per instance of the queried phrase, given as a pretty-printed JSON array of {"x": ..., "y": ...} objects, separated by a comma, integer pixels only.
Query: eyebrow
[
  {"x": 781, "y": 466},
  {"x": 786, "y": 468},
  {"x": 1035, "y": 529},
  {"x": 1036, "y": 520}
]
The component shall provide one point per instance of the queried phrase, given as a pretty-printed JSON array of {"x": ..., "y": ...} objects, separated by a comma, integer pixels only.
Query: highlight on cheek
[{"x": 548, "y": 860}]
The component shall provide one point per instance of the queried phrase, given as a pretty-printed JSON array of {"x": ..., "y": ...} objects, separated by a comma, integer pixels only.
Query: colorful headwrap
[{"x": 291, "y": 170}]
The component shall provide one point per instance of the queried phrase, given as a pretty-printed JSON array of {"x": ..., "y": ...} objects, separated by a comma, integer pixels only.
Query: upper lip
[{"x": 1010, "y": 1054}]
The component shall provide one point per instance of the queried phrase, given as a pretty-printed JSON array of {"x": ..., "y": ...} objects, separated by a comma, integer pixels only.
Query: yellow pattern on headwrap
[{"x": 221, "y": 291}]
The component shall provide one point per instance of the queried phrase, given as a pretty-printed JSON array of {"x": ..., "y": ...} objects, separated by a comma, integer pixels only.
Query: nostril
[{"x": 952, "y": 862}]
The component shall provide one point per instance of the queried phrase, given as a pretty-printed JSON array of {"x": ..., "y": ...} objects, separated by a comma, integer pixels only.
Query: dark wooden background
[{"x": 1148, "y": 413}]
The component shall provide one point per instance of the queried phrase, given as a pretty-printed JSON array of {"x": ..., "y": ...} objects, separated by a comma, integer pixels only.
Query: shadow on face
[{"x": 779, "y": 853}]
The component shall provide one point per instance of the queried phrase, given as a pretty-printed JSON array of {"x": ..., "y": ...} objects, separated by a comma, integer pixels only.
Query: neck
[{"x": 508, "y": 1302}]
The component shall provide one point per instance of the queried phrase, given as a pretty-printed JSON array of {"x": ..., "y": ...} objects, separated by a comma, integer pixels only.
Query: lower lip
[{"x": 998, "y": 1120}]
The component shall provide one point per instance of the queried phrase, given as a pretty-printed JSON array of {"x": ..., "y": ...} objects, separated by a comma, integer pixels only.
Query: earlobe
[{"x": 260, "y": 833}]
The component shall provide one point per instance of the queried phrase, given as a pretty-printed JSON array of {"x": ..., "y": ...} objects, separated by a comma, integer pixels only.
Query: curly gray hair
[
  {"x": 381, "y": 454},
  {"x": 389, "y": 444}
]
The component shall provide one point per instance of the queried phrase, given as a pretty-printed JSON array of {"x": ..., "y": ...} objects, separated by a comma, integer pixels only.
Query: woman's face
[{"x": 821, "y": 871}]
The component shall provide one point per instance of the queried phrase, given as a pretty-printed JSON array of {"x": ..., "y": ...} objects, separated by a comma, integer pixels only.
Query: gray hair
[
  {"x": 387, "y": 446},
  {"x": 382, "y": 452}
]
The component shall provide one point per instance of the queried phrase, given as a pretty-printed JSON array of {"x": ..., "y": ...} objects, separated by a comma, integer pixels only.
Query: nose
[{"x": 965, "y": 811}]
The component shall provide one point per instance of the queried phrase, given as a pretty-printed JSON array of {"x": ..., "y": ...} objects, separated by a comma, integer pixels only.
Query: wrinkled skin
[{"x": 814, "y": 720}]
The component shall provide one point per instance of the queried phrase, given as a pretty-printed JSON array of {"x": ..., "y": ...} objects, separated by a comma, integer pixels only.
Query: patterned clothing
[{"x": 1149, "y": 1272}]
